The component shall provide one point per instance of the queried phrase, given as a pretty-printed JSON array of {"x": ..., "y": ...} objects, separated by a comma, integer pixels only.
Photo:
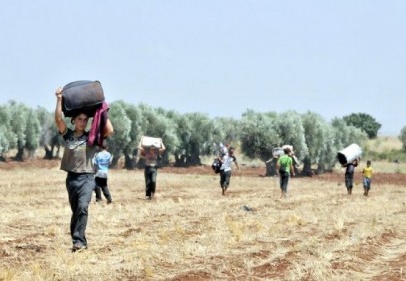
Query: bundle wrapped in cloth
[
  {"x": 150, "y": 142},
  {"x": 82, "y": 96},
  {"x": 85, "y": 96}
]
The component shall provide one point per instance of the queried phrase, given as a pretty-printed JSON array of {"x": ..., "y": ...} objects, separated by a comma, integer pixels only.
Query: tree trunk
[
  {"x": 20, "y": 155},
  {"x": 307, "y": 168},
  {"x": 271, "y": 167},
  {"x": 180, "y": 160},
  {"x": 193, "y": 160},
  {"x": 48, "y": 153},
  {"x": 114, "y": 162},
  {"x": 130, "y": 161}
]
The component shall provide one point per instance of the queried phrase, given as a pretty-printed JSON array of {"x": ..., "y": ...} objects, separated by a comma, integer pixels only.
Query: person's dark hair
[
  {"x": 76, "y": 115},
  {"x": 286, "y": 150},
  {"x": 231, "y": 150},
  {"x": 369, "y": 162}
]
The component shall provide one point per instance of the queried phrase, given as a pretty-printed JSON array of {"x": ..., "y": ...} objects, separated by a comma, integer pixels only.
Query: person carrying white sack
[{"x": 151, "y": 152}]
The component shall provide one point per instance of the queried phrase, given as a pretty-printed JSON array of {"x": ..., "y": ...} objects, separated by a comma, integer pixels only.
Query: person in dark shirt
[
  {"x": 349, "y": 175},
  {"x": 77, "y": 162}
]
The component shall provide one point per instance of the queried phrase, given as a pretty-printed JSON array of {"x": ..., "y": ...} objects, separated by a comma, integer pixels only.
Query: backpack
[{"x": 216, "y": 166}]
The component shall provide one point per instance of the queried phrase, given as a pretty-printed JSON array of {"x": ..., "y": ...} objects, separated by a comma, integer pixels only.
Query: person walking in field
[
  {"x": 284, "y": 167},
  {"x": 77, "y": 162},
  {"x": 349, "y": 175},
  {"x": 367, "y": 177},
  {"x": 227, "y": 161},
  {"x": 151, "y": 155},
  {"x": 101, "y": 162}
]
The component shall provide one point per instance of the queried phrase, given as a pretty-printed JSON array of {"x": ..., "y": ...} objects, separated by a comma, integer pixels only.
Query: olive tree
[
  {"x": 129, "y": 148},
  {"x": 290, "y": 129},
  {"x": 8, "y": 139},
  {"x": 122, "y": 128},
  {"x": 227, "y": 130},
  {"x": 195, "y": 138},
  {"x": 4, "y": 143},
  {"x": 18, "y": 125},
  {"x": 259, "y": 136},
  {"x": 316, "y": 137},
  {"x": 49, "y": 139},
  {"x": 346, "y": 135},
  {"x": 32, "y": 133},
  {"x": 402, "y": 137},
  {"x": 328, "y": 155},
  {"x": 159, "y": 123}
]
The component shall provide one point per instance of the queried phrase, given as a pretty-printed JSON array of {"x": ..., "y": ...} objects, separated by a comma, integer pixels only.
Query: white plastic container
[{"x": 349, "y": 154}]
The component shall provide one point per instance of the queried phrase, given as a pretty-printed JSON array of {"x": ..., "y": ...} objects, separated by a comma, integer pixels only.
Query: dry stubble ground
[{"x": 191, "y": 232}]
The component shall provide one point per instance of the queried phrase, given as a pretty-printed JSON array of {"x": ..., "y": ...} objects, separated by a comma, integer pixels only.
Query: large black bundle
[{"x": 82, "y": 96}]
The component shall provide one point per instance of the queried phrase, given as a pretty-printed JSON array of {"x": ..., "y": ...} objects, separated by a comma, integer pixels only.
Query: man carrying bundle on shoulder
[{"x": 285, "y": 169}]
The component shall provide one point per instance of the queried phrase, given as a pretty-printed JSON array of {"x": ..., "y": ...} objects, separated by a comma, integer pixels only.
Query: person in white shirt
[{"x": 227, "y": 161}]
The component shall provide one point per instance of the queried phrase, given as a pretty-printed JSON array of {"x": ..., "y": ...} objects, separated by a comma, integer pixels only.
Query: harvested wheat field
[{"x": 191, "y": 232}]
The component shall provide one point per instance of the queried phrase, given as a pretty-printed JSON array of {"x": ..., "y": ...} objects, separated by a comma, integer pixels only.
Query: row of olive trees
[
  {"x": 402, "y": 137},
  {"x": 24, "y": 129},
  {"x": 188, "y": 136},
  {"x": 315, "y": 141}
]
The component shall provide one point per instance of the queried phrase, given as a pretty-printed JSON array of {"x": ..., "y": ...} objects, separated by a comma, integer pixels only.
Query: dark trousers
[
  {"x": 225, "y": 179},
  {"x": 150, "y": 174},
  {"x": 349, "y": 180},
  {"x": 101, "y": 185},
  {"x": 284, "y": 181},
  {"x": 80, "y": 188}
]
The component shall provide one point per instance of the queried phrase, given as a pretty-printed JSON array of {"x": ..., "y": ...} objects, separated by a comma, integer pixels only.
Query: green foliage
[
  {"x": 9, "y": 139},
  {"x": 18, "y": 123},
  {"x": 291, "y": 131},
  {"x": 259, "y": 135},
  {"x": 119, "y": 141},
  {"x": 33, "y": 131},
  {"x": 390, "y": 155},
  {"x": 227, "y": 130},
  {"x": 402, "y": 137},
  {"x": 318, "y": 139},
  {"x": 346, "y": 135},
  {"x": 4, "y": 143},
  {"x": 195, "y": 133},
  {"x": 190, "y": 136},
  {"x": 365, "y": 122}
]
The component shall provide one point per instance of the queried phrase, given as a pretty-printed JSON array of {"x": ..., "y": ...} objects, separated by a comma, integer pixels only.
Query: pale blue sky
[{"x": 219, "y": 57}]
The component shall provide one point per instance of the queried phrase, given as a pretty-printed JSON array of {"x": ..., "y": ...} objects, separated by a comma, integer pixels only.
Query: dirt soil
[{"x": 379, "y": 178}]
